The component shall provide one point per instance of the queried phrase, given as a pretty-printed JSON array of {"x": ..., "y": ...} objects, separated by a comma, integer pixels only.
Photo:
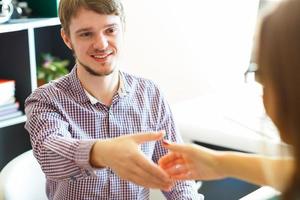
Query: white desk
[{"x": 230, "y": 120}]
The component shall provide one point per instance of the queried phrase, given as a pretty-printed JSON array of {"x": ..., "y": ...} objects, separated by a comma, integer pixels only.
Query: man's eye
[
  {"x": 112, "y": 30},
  {"x": 85, "y": 34}
]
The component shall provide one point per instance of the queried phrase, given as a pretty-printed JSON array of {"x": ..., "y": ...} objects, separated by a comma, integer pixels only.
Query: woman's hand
[{"x": 188, "y": 161}]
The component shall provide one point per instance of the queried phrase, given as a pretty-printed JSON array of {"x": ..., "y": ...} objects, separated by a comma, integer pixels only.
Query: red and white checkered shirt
[{"x": 64, "y": 122}]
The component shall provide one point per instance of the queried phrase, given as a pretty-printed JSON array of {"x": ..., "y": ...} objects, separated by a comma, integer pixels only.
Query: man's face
[{"x": 95, "y": 40}]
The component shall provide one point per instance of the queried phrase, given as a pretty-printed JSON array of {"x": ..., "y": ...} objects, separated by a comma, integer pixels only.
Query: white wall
[{"x": 189, "y": 47}]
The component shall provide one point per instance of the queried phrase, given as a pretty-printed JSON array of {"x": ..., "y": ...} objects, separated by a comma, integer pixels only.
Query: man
[{"x": 92, "y": 131}]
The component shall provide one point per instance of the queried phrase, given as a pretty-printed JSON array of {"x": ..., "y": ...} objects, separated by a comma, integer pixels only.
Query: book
[
  {"x": 7, "y": 101},
  {"x": 7, "y": 85},
  {"x": 9, "y": 106},
  {"x": 7, "y": 91},
  {"x": 7, "y": 81},
  {"x": 6, "y": 112},
  {"x": 11, "y": 115}
]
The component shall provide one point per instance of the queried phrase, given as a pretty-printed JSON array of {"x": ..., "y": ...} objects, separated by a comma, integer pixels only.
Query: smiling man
[{"x": 97, "y": 131}]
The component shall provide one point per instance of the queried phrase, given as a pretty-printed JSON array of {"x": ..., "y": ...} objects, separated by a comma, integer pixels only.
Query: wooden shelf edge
[
  {"x": 25, "y": 24},
  {"x": 12, "y": 121}
]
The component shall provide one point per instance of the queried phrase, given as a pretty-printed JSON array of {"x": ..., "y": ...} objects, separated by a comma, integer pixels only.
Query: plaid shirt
[{"x": 64, "y": 122}]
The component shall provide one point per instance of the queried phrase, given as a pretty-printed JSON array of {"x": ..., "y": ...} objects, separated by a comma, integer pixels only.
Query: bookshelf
[{"x": 22, "y": 42}]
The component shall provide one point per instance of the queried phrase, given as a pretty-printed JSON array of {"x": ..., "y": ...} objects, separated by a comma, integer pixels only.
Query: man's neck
[{"x": 103, "y": 88}]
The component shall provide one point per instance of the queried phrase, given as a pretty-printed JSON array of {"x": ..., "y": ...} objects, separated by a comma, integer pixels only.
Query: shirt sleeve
[
  {"x": 60, "y": 156},
  {"x": 184, "y": 190}
]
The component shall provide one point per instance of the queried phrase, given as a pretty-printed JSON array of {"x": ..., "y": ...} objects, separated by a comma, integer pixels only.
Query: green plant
[{"x": 51, "y": 68}]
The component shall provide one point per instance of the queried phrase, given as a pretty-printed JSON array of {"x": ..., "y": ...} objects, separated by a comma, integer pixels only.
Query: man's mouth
[{"x": 102, "y": 57}]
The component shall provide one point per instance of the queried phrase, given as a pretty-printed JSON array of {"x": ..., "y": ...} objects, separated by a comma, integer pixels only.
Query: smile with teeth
[{"x": 102, "y": 56}]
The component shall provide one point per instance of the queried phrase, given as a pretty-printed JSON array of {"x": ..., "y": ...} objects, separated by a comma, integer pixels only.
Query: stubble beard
[
  {"x": 93, "y": 72},
  {"x": 90, "y": 70}
]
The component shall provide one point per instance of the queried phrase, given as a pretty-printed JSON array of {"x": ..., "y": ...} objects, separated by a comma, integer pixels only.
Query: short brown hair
[{"x": 69, "y": 9}]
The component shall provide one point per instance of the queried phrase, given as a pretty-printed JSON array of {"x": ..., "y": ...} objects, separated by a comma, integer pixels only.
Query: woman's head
[
  {"x": 279, "y": 66},
  {"x": 278, "y": 58}
]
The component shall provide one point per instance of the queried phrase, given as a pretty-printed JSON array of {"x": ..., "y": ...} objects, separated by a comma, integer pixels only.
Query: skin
[
  {"x": 124, "y": 157},
  {"x": 188, "y": 161},
  {"x": 96, "y": 41},
  {"x": 277, "y": 56}
]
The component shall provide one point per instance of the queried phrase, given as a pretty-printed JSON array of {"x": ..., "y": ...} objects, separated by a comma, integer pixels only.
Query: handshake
[
  {"x": 183, "y": 162},
  {"x": 124, "y": 156}
]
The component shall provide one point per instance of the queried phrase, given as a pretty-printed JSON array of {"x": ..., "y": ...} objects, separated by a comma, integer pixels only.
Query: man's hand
[{"x": 124, "y": 157}]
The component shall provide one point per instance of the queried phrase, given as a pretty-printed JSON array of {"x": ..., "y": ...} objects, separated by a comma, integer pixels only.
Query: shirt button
[{"x": 87, "y": 172}]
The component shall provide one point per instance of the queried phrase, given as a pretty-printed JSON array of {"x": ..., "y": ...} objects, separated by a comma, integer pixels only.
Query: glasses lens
[{"x": 250, "y": 73}]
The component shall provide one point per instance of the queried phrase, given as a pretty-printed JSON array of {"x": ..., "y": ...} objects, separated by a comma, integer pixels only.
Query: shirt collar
[
  {"x": 123, "y": 86},
  {"x": 92, "y": 99},
  {"x": 122, "y": 92}
]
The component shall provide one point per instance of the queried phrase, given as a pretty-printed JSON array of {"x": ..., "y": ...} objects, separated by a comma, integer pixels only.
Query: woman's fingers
[{"x": 169, "y": 158}]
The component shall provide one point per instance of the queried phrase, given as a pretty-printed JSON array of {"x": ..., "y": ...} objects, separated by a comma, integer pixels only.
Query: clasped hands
[
  {"x": 183, "y": 162},
  {"x": 124, "y": 156}
]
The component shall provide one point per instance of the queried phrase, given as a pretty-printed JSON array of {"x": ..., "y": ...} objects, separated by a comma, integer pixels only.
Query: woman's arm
[{"x": 196, "y": 162}]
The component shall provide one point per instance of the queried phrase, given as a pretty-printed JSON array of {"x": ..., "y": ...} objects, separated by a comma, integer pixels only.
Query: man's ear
[{"x": 66, "y": 38}]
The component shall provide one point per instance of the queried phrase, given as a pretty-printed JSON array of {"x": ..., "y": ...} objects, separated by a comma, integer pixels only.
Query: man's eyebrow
[
  {"x": 111, "y": 25},
  {"x": 90, "y": 28},
  {"x": 83, "y": 30}
]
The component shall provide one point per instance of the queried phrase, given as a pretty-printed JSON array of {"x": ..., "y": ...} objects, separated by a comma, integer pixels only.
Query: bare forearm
[
  {"x": 257, "y": 169},
  {"x": 243, "y": 166}
]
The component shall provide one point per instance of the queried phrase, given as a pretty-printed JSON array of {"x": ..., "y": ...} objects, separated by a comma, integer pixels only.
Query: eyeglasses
[
  {"x": 249, "y": 75},
  {"x": 252, "y": 75},
  {"x": 266, "y": 127}
]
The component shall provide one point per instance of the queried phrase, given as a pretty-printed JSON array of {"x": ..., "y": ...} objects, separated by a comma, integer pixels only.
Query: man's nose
[{"x": 101, "y": 42}]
